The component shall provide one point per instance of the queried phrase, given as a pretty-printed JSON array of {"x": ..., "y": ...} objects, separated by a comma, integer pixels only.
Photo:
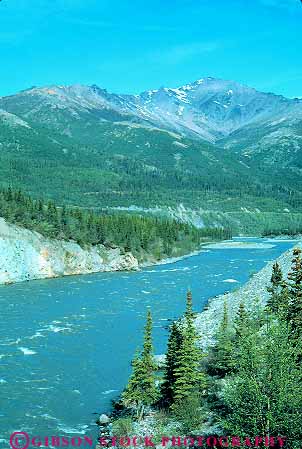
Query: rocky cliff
[{"x": 26, "y": 255}]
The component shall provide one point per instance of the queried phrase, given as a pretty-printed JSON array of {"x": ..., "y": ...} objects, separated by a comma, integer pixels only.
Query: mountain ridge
[{"x": 209, "y": 108}]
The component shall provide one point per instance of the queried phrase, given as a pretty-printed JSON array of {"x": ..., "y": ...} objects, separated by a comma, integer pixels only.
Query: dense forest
[
  {"x": 248, "y": 384},
  {"x": 124, "y": 165},
  {"x": 292, "y": 229},
  {"x": 139, "y": 234},
  {"x": 97, "y": 165}
]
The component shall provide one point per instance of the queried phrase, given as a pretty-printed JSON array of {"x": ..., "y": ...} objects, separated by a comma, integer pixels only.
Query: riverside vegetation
[
  {"x": 248, "y": 383},
  {"x": 146, "y": 237}
]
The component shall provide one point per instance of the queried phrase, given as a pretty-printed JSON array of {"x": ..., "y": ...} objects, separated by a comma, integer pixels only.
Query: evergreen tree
[
  {"x": 225, "y": 317},
  {"x": 147, "y": 353},
  {"x": 141, "y": 390},
  {"x": 133, "y": 394},
  {"x": 221, "y": 359},
  {"x": 265, "y": 395},
  {"x": 189, "y": 305},
  {"x": 294, "y": 315},
  {"x": 174, "y": 344},
  {"x": 274, "y": 303},
  {"x": 188, "y": 378},
  {"x": 241, "y": 322}
]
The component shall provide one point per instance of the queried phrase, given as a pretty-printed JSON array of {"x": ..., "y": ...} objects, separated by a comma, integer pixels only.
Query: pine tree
[
  {"x": 147, "y": 354},
  {"x": 174, "y": 344},
  {"x": 189, "y": 305},
  {"x": 241, "y": 322},
  {"x": 40, "y": 206},
  {"x": 133, "y": 393},
  {"x": 294, "y": 315},
  {"x": 274, "y": 303},
  {"x": 225, "y": 317},
  {"x": 221, "y": 360},
  {"x": 265, "y": 395},
  {"x": 188, "y": 379},
  {"x": 141, "y": 390}
]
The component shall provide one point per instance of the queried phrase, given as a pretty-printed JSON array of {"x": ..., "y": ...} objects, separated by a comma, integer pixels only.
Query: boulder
[{"x": 103, "y": 419}]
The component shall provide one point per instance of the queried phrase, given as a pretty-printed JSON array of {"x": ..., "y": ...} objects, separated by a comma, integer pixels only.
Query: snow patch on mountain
[{"x": 209, "y": 108}]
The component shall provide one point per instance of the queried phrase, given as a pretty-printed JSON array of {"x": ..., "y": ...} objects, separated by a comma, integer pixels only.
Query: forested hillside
[{"x": 89, "y": 152}]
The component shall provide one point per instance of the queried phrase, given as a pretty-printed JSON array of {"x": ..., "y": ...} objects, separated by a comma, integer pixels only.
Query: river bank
[
  {"x": 27, "y": 255},
  {"x": 238, "y": 245},
  {"x": 252, "y": 294},
  {"x": 172, "y": 260}
]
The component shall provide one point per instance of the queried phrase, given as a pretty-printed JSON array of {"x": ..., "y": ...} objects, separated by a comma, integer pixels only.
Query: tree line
[{"x": 139, "y": 234}]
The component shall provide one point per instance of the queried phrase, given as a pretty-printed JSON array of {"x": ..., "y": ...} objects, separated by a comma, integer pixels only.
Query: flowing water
[{"x": 66, "y": 344}]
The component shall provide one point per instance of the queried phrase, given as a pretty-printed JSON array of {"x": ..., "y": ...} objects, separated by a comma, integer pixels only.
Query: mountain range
[
  {"x": 207, "y": 144},
  {"x": 209, "y": 108}
]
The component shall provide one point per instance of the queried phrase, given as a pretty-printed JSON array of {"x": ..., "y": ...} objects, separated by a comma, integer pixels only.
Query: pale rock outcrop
[{"x": 26, "y": 255}]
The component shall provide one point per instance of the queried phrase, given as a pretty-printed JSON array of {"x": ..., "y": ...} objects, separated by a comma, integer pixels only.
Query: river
[{"x": 66, "y": 343}]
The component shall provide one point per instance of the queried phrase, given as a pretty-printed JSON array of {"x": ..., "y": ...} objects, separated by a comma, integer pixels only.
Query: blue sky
[{"x": 129, "y": 45}]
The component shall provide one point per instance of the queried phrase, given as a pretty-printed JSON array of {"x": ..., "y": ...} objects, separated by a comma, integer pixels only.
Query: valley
[
  {"x": 93, "y": 182},
  {"x": 150, "y": 224}
]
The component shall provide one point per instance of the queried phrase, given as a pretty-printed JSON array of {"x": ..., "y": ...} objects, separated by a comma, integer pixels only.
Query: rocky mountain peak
[{"x": 208, "y": 108}]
